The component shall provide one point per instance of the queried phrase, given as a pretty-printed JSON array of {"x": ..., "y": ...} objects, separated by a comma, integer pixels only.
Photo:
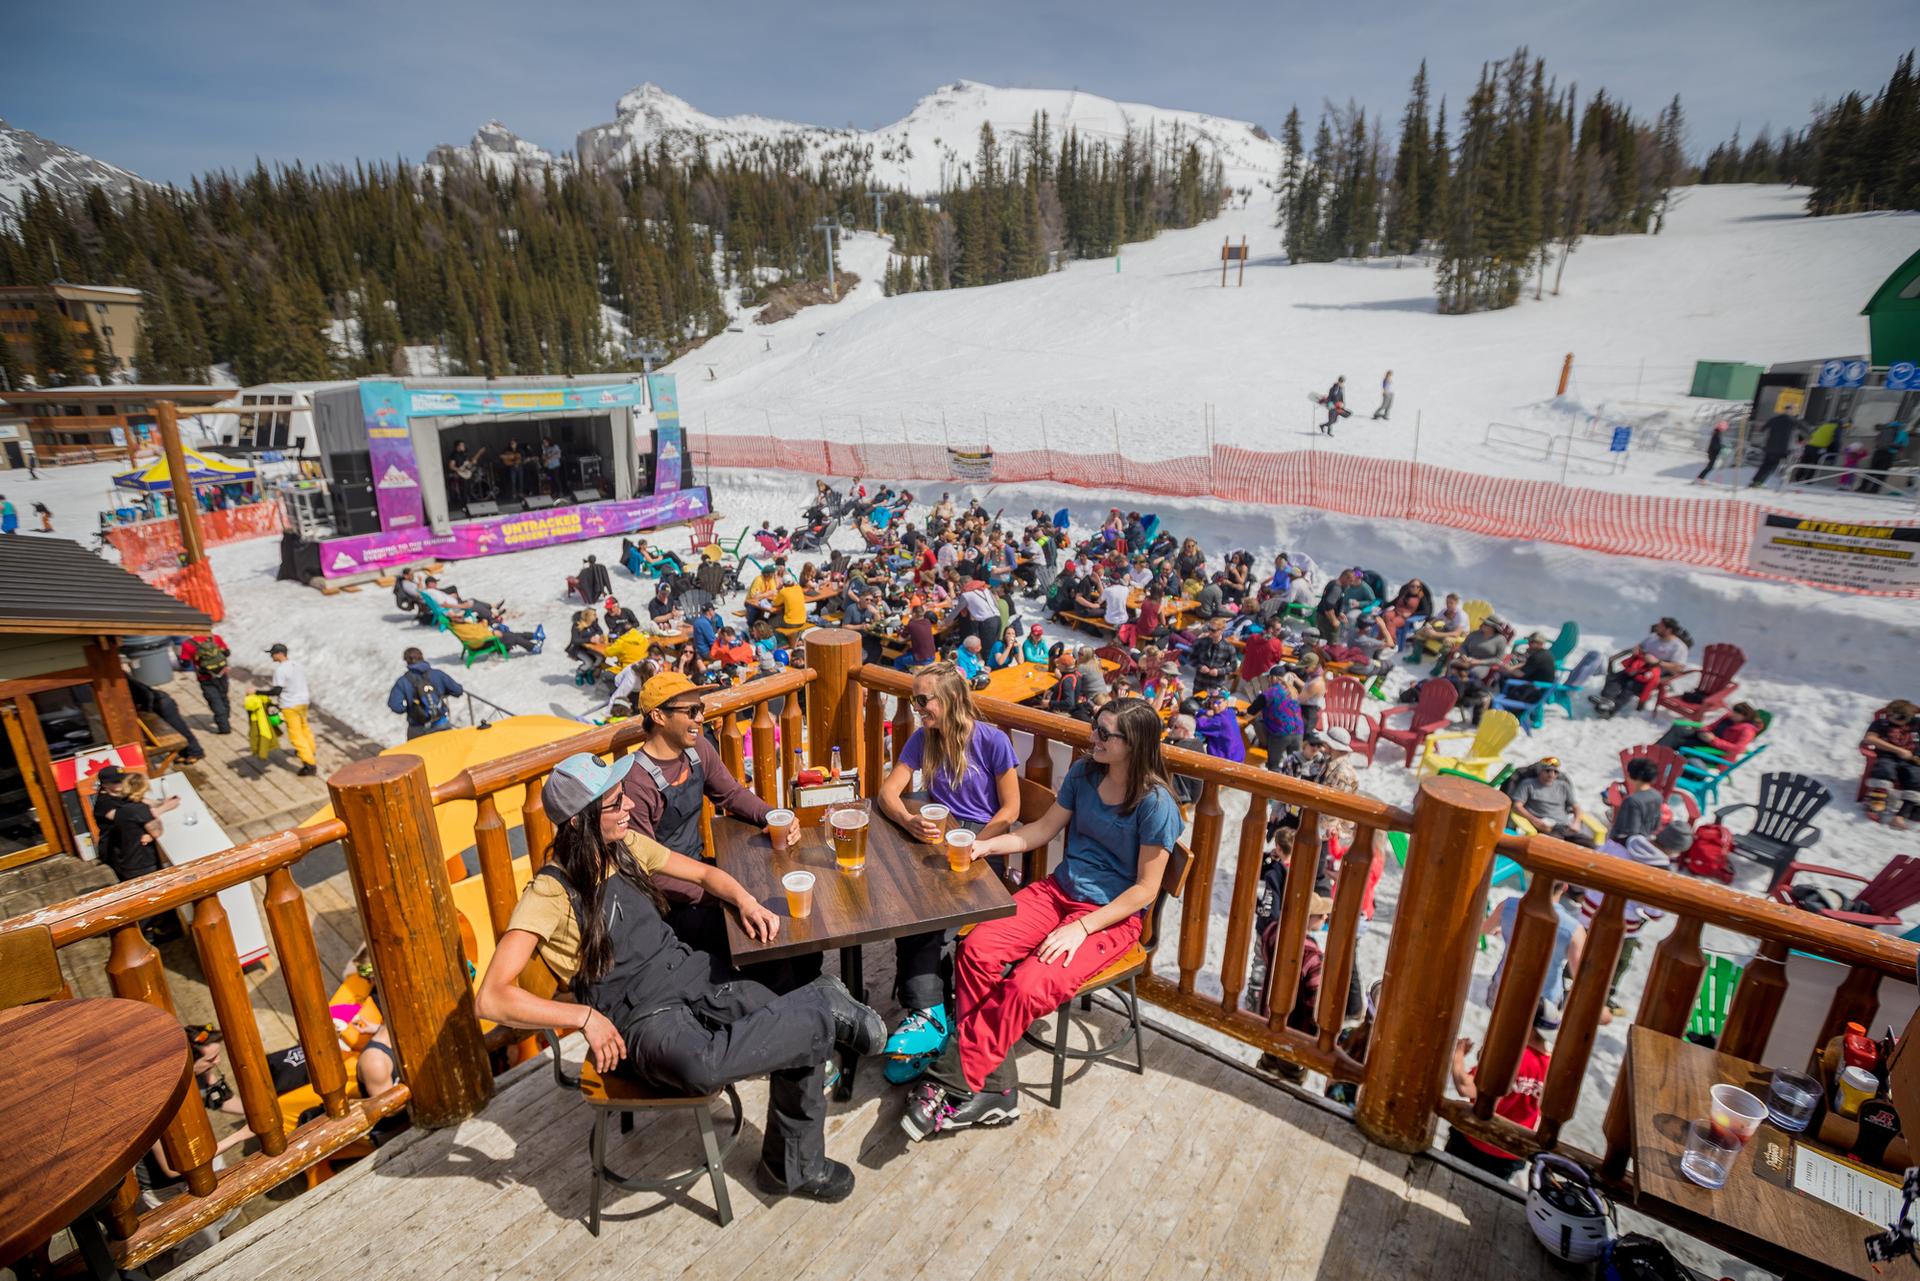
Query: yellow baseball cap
[{"x": 666, "y": 685}]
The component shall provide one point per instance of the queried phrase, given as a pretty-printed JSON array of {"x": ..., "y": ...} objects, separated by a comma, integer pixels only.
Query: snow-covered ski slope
[{"x": 1138, "y": 354}]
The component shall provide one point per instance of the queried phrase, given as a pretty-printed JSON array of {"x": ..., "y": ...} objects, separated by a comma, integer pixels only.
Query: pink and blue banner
[
  {"x": 396, "y": 472},
  {"x": 518, "y": 532}
]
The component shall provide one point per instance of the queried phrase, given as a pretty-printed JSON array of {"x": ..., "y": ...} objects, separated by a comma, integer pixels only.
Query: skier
[
  {"x": 1336, "y": 403},
  {"x": 1385, "y": 412}
]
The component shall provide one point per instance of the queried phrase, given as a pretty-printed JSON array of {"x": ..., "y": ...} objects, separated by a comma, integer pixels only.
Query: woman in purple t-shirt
[{"x": 969, "y": 767}]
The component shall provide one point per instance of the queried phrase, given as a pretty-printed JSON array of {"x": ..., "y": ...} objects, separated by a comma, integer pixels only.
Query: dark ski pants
[
  {"x": 702, "y": 926},
  {"x": 169, "y": 711},
  {"x": 1768, "y": 462},
  {"x": 215, "y": 692},
  {"x": 737, "y": 1030}
]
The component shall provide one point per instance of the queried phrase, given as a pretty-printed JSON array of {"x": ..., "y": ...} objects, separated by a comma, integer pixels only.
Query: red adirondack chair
[
  {"x": 1424, "y": 716},
  {"x": 1346, "y": 701},
  {"x": 1893, "y": 889},
  {"x": 701, "y": 534},
  {"x": 1719, "y": 664},
  {"x": 1670, "y": 764}
]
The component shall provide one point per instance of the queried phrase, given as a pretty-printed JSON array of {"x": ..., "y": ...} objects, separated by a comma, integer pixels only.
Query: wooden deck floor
[{"x": 1198, "y": 1168}]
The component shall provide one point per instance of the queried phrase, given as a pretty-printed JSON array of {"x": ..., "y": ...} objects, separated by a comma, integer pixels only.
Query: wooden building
[
  {"x": 80, "y": 424},
  {"x": 63, "y": 690}
]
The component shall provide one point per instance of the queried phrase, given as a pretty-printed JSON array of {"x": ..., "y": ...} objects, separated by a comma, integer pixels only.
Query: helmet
[{"x": 1569, "y": 1216}]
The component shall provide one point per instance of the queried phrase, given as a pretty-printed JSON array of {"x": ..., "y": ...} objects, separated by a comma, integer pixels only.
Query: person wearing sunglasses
[
  {"x": 1117, "y": 813},
  {"x": 650, "y": 1007},
  {"x": 968, "y": 766},
  {"x": 677, "y": 768}
]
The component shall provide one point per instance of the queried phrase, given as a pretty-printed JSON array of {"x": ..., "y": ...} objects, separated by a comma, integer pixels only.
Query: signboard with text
[{"x": 1873, "y": 558}]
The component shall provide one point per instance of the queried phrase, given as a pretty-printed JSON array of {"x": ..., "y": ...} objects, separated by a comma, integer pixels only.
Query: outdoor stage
[{"x": 455, "y": 468}]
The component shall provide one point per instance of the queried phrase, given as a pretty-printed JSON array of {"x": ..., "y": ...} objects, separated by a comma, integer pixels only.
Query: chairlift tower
[{"x": 829, "y": 228}]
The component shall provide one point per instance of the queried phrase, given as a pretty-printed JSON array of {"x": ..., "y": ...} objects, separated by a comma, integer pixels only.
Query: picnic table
[
  {"x": 85, "y": 1088},
  {"x": 1758, "y": 1214},
  {"x": 906, "y": 888}
]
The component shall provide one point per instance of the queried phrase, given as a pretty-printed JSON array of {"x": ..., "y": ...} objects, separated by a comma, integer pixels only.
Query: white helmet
[{"x": 1568, "y": 1214}]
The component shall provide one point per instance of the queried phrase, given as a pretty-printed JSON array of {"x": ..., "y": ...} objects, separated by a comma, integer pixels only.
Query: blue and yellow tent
[{"x": 156, "y": 477}]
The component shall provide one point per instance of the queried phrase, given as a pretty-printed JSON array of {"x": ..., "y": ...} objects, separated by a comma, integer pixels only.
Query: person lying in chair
[{"x": 652, "y": 1008}]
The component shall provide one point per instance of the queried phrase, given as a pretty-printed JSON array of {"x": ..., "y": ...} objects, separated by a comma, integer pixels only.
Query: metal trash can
[{"x": 149, "y": 657}]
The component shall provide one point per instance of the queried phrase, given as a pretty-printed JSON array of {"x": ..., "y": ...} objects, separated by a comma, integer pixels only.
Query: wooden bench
[
  {"x": 164, "y": 744},
  {"x": 1098, "y": 626}
]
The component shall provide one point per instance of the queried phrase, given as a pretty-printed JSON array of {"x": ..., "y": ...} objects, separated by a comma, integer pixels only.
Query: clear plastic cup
[
  {"x": 848, "y": 826},
  {"x": 959, "y": 849},
  {"x": 779, "y": 824},
  {"x": 799, "y": 888},
  {"x": 938, "y": 815},
  {"x": 1735, "y": 1114},
  {"x": 1791, "y": 1097},
  {"x": 1707, "y": 1160}
]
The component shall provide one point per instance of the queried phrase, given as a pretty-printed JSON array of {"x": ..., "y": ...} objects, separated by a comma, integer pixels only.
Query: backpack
[
  {"x": 426, "y": 705},
  {"x": 210, "y": 659},
  {"x": 1709, "y": 853}
]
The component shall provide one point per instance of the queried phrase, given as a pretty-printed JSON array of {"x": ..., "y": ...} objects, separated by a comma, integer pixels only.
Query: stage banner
[
  {"x": 669, "y": 448},
  {"x": 518, "y": 532},
  {"x": 484, "y": 400},
  {"x": 1873, "y": 558},
  {"x": 970, "y": 464},
  {"x": 396, "y": 472}
]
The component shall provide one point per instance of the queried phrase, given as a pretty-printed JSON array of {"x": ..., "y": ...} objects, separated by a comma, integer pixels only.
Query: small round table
[{"x": 85, "y": 1089}]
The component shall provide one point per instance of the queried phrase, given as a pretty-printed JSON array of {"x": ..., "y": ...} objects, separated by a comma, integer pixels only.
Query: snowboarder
[
  {"x": 1336, "y": 402},
  {"x": 1714, "y": 444},
  {"x": 1385, "y": 412}
]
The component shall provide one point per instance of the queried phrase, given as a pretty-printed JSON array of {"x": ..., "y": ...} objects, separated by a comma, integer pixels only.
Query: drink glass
[
  {"x": 1790, "y": 1099},
  {"x": 848, "y": 824},
  {"x": 779, "y": 824},
  {"x": 1735, "y": 1115},
  {"x": 959, "y": 849},
  {"x": 1707, "y": 1160},
  {"x": 799, "y": 888},
  {"x": 937, "y": 815}
]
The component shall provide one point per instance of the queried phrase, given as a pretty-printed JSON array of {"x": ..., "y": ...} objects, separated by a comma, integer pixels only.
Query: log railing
[{"x": 402, "y": 890}]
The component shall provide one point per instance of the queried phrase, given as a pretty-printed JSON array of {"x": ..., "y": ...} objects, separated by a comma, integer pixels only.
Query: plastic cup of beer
[
  {"x": 1735, "y": 1114},
  {"x": 799, "y": 888},
  {"x": 960, "y": 849},
  {"x": 779, "y": 827},
  {"x": 848, "y": 826},
  {"x": 938, "y": 816}
]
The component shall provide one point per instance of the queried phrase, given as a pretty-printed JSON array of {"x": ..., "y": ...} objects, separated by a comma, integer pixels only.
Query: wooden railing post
[
  {"x": 1429, "y": 959},
  {"x": 406, "y": 908},
  {"x": 833, "y": 704}
]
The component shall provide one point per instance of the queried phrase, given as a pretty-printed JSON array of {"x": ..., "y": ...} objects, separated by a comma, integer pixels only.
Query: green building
[{"x": 1893, "y": 315}]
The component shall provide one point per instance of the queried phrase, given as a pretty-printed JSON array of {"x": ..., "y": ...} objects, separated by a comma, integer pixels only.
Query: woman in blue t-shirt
[
  {"x": 1119, "y": 817},
  {"x": 969, "y": 767}
]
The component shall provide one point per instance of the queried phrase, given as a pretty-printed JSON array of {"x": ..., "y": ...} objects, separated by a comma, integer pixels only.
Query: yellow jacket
[{"x": 628, "y": 648}]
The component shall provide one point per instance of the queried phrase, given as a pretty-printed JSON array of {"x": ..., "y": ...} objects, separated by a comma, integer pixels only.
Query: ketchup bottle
[{"x": 1857, "y": 1049}]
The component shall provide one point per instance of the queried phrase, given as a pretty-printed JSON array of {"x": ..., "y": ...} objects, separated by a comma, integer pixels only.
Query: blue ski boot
[{"x": 917, "y": 1042}]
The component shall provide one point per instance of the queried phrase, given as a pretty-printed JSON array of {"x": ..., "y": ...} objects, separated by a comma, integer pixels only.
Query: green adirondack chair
[{"x": 1716, "y": 997}]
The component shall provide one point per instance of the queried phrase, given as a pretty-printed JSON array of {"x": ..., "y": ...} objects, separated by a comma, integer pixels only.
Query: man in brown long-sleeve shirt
[{"x": 675, "y": 769}]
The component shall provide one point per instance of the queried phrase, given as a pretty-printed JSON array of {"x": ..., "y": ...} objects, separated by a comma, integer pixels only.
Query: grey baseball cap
[{"x": 580, "y": 780}]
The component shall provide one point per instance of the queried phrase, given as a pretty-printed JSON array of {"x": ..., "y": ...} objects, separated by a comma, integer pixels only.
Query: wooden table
[
  {"x": 1019, "y": 683},
  {"x": 1668, "y": 1081},
  {"x": 85, "y": 1089},
  {"x": 906, "y": 888}
]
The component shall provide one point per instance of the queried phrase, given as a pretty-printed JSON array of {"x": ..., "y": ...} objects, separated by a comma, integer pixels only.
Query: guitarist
[{"x": 460, "y": 473}]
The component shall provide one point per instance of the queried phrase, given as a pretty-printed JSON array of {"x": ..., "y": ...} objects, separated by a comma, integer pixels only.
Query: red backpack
[{"x": 1709, "y": 853}]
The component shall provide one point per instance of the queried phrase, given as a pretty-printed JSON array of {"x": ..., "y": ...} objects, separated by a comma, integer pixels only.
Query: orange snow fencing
[
  {"x": 148, "y": 544},
  {"x": 191, "y": 585},
  {"x": 1715, "y": 533}
]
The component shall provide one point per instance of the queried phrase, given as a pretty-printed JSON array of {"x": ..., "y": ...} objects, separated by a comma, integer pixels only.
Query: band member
[
  {"x": 459, "y": 467},
  {"x": 510, "y": 459}
]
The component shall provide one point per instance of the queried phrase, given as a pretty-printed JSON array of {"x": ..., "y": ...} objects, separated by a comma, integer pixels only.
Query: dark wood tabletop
[
  {"x": 1750, "y": 1216},
  {"x": 905, "y": 888},
  {"x": 85, "y": 1089}
]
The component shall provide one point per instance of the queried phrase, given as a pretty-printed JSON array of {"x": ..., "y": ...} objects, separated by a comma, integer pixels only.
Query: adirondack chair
[
  {"x": 1717, "y": 985},
  {"x": 1564, "y": 644},
  {"x": 1718, "y": 666},
  {"x": 492, "y": 645},
  {"x": 1124, "y": 663},
  {"x": 1424, "y": 716},
  {"x": 1707, "y": 768},
  {"x": 1495, "y": 732},
  {"x": 1557, "y": 693},
  {"x": 1505, "y": 870},
  {"x": 1893, "y": 889},
  {"x": 1671, "y": 765},
  {"x": 1346, "y": 696},
  {"x": 1782, "y": 820},
  {"x": 431, "y": 615},
  {"x": 700, "y": 537}
]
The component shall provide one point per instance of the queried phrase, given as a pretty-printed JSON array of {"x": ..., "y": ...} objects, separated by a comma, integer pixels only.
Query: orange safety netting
[
  {"x": 1712, "y": 532},
  {"x": 191, "y": 585},
  {"x": 143, "y": 545}
]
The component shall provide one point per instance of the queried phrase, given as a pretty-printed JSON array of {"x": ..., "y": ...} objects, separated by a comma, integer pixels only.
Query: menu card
[{"x": 1859, "y": 1191}]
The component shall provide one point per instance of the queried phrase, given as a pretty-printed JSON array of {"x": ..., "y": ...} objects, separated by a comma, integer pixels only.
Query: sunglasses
[
  {"x": 1101, "y": 734},
  {"x": 684, "y": 709},
  {"x": 920, "y": 701}
]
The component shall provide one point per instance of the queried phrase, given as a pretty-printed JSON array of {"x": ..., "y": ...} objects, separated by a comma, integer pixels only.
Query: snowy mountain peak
[
  {"x": 26, "y": 157},
  {"x": 932, "y": 145},
  {"x": 499, "y": 150}
]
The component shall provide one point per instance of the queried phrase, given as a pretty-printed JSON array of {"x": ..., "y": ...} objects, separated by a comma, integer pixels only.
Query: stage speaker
[
  {"x": 536, "y": 502},
  {"x": 482, "y": 508},
  {"x": 586, "y": 495},
  {"x": 355, "y": 509}
]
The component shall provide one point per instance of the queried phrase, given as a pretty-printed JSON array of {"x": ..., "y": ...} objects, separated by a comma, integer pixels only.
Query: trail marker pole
[
  {"x": 1241, "y": 282},
  {"x": 1566, "y": 372}
]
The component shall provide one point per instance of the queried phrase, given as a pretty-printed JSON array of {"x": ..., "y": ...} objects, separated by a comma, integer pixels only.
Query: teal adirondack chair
[
  {"x": 439, "y": 615},
  {"x": 1563, "y": 645},
  {"x": 1706, "y": 769},
  {"x": 1722, "y": 976}
]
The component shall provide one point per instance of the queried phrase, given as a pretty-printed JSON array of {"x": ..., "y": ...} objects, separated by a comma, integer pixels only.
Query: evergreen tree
[
  {"x": 1293, "y": 151},
  {"x": 1411, "y": 201}
]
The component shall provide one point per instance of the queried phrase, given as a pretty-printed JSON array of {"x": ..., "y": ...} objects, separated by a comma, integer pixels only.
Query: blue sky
[{"x": 170, "y": 90}]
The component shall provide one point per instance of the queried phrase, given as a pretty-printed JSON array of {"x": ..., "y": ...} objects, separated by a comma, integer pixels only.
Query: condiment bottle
[{"x": 1857, "y": 1049}]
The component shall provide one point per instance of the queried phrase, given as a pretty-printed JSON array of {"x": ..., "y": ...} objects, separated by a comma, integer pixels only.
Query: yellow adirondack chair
[
  {"x": 1476, "y": 612},
  {"x": 1497, "y": 730}
]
